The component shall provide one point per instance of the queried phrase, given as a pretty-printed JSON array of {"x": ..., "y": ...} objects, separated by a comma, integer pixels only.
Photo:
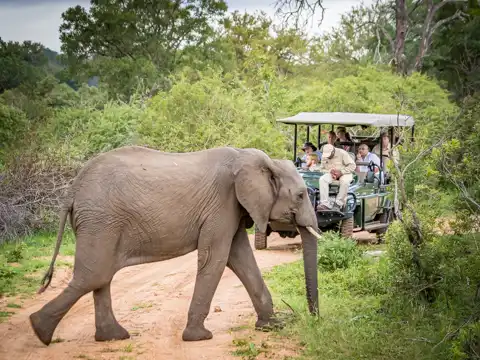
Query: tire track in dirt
[{"x": 151, "y": 301}]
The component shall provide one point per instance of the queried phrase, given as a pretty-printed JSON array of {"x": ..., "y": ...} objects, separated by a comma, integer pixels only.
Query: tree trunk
[{"x": 401, "y": 30}]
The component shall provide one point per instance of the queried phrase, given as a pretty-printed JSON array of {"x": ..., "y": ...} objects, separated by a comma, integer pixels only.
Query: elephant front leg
[
  {"x": 242, "y": 262},
  {"x": 213, "y": 249}
]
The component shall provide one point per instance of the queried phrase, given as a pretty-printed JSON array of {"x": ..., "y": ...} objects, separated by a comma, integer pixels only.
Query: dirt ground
[{"x": 151, "y": 301}]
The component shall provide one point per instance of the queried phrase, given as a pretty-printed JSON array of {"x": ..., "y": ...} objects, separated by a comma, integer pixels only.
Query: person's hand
[
  {"x": 336, "y": 174},
  {"x": 359, "y": 157}
]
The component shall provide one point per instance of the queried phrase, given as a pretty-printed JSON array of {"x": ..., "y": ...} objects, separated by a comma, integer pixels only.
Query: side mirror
[{"x": 298, "y": 162}]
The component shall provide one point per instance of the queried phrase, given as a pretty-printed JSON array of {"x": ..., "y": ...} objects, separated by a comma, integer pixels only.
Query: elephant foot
[
  {"x": 43, "y": 327},
  {"x": 269, "y": 324},
  {"x": 196, "y": 333},
  {"x": 111, "y": 332}
]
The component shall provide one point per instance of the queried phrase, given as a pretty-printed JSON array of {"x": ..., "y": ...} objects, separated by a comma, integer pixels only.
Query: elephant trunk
[{"x": 309, "y": 242}]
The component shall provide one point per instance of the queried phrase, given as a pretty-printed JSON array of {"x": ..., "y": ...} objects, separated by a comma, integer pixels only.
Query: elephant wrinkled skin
[{"x": 135, "y": 205}]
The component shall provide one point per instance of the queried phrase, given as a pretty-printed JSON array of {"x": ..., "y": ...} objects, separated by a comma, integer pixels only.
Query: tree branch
[
  {"x": 458, "y": 14},
  {"x": 460, "y": 186},
  {"x": 298, "y": 7},
  {"x": 389, "y": 38},
  {"x": 429, "y": 29},
  {"x": 415, "y": 6}
]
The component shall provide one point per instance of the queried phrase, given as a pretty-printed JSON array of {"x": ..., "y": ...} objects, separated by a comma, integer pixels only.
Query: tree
[
  {"x": 455, "y": 59},
  {"x": 155, "y": 30},
  {"x": 21, "y": 63},
  {"x": 403, "y": 29}
]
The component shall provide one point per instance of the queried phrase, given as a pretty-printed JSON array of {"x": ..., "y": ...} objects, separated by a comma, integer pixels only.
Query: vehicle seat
[{"x": 370, "y": 177}]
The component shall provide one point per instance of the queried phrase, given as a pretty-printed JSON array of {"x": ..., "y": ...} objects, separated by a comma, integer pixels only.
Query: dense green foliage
[
  {"x": 161, "y": 75},
  {"x": 370, "y": 310}
]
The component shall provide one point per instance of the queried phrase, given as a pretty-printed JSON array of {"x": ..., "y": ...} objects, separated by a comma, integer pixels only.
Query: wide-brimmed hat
[{"x": 309, "y": 144}]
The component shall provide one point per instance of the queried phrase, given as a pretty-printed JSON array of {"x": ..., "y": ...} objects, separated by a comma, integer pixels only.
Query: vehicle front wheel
[
  {"x": 346, "y": 227},
  {"x": 385, "y": 218},
  {"x": 260, "y": 240}
]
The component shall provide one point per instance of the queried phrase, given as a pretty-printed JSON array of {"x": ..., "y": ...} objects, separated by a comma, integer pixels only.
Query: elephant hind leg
[
  {"x": 107, "y": 327},
  {"x": 45, "y": 321}
]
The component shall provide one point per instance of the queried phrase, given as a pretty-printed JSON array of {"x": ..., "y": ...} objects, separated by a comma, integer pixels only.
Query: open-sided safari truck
[{"x": 369, "y": 205}]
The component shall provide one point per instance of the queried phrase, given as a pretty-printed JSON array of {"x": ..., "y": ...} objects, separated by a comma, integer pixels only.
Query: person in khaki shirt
[{"x": 337, "y": 164}]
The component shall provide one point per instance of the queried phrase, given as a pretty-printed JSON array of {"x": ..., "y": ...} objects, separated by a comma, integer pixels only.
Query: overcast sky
[{"x": 39, "y": 20}]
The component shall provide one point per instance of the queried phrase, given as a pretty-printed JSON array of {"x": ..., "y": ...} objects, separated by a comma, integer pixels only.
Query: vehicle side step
[{"x": 375, "y": 226}]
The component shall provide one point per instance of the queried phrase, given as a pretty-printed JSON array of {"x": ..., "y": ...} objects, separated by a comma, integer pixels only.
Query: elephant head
[{"x": 272, "y": 190}]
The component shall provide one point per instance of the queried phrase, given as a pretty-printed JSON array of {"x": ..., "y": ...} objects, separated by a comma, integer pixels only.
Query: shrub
[
  {"x": 335, "y": 252},
  {"x": 13, "y": 124},
  {"x": 467, "y": 343},
  {"x": 448, "y": 266},
  {"x": 31, "y": 190},
  {"x": 207, "y": 112}
]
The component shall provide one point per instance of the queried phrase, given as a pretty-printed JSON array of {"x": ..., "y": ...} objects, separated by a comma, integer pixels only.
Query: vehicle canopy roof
[{"x": 348, "y": 119}]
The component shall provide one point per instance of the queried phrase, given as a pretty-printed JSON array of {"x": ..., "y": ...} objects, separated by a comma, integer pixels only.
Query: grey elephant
[{"x": 136, "y": 205}]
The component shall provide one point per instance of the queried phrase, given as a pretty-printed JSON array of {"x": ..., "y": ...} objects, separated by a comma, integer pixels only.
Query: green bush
[
  {"x": 13, "y": 125},
  {"x": 466, "y": 345},
  {"x": 335, "y": 252},
  {"x": 207, "y": 111},
  {"x": 446, "y": 268}
]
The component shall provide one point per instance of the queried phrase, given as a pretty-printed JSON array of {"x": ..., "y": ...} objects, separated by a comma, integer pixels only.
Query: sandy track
[{"x": 151, "y": 301}]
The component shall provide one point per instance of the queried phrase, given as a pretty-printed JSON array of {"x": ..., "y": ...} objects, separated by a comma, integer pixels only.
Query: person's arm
[
  {"x": 395, "y": 156},
  {"x": 349, "y": 164},
  {"x": 321, "y": 167},
  {"x": 376, "y": 161}
]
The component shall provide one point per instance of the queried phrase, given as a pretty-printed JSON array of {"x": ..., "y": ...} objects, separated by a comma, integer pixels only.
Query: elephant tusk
[{"x": 313, "y": 232}]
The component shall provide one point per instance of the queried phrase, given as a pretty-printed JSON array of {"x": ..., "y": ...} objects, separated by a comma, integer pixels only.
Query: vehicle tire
[
  {"x": 384, "y": 218},
  {"x": 260, "y": 240},
  {"x": 346, "y": 227}
]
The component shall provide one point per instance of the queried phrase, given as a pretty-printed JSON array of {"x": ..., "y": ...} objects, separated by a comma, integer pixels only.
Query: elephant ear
[{"x": 256, "y": 185}]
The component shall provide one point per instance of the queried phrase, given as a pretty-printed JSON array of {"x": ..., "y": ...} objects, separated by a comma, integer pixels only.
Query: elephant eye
[{"x": 300, "y": 196}]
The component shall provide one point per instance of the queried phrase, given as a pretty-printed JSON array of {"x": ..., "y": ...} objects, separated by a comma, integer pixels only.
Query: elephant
[{"x": 135, "y": 205}]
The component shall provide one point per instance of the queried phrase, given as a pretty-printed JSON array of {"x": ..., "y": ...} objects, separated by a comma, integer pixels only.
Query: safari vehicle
[{"x": 369, "y": 205}]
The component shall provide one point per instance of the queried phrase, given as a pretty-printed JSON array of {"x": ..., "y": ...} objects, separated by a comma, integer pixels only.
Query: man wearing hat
[
  {"x": 337, "y": 164},
  {"x": 309, "y": 148}
]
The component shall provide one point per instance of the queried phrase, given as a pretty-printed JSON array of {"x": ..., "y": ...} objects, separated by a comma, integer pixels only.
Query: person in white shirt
[{"x": 365, "y": 155}]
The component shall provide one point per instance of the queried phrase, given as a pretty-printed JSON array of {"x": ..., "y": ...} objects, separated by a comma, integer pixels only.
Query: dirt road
[{"x": 151, "y": 301}]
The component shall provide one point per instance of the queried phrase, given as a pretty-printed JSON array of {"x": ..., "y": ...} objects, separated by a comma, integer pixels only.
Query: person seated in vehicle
[
  {"x": 309, "y": 148},
  {"x": 331, "y": 139},
  {"x": 386, "y": 151},
  {"x": 344, "y": 136},
  {"x": 364, "y": 155},
  {"x": 337, "y": 165},
  {"x": 313, "y": 163}
]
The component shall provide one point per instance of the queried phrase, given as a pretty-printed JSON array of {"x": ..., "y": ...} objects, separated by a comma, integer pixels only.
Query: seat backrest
[
  {"x": 361, "y": 175},
  {"x": 370, "y": 176}
]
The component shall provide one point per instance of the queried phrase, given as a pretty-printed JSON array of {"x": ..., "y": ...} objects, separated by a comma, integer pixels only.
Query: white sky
[{"x": 39, "y": 20}]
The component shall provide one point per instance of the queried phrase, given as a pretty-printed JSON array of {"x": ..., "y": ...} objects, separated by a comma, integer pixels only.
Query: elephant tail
[{"x": 63, "y": 219}]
